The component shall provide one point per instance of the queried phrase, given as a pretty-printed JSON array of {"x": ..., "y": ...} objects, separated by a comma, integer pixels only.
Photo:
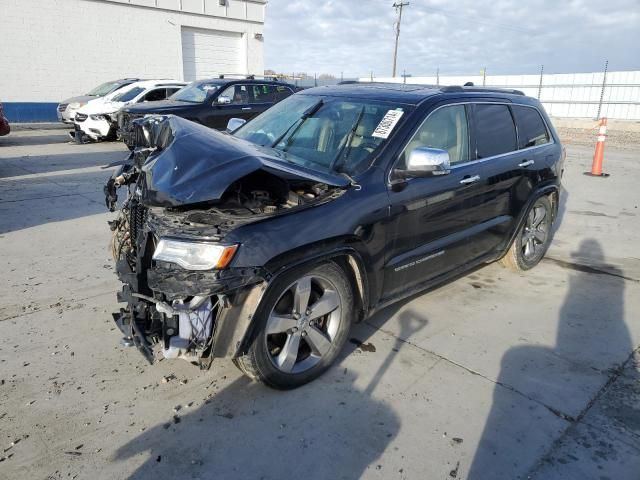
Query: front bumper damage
[
  {"x": 189, "y": 184},
  {"x": 176, "y": 313}
]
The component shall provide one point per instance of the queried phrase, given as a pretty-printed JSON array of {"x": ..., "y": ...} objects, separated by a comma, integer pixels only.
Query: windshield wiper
[
  {"x": 298, "y": 123},
  {"x": 346, "y": 144}
]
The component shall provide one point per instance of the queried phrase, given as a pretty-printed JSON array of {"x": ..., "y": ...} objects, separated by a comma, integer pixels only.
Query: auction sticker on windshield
[{"x": 387, "y": 124}]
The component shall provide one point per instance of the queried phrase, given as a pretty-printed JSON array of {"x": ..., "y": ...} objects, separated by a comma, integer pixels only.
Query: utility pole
[{"x": 398, "y": 6}]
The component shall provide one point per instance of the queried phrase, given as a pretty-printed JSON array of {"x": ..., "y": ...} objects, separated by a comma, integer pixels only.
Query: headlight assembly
[
  {"x": 193, "y": 255},
  {"x": 97, "y": 117}
]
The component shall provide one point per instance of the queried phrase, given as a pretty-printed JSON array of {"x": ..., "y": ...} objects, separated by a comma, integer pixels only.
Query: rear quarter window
[
  {"x": 531, "y": 128},
  {"x": 495, "y": 131}
]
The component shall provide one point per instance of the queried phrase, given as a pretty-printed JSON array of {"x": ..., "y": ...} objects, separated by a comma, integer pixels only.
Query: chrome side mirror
[
  {"x": 223, "y": 100},
  {"x": 234, "y": 124},
  {"x": 426, "y": 161}
]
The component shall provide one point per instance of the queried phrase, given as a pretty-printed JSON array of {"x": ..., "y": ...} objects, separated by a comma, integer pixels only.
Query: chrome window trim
[{"x": 470, "y": 162}]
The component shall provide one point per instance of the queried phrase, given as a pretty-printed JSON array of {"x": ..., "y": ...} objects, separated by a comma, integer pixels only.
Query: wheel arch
[
  {"x": 348, "y": 259},
  {"x": 550, "y": 191}
]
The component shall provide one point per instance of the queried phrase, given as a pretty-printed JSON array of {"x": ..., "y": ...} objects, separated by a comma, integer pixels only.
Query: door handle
[
  {"x": 526, "y": 163},
  {"x": 246, "y": 108},
  {"x": 467, "y": 180}
]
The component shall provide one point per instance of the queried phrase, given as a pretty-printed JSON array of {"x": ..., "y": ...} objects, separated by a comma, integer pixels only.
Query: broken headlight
[
  {"x": 98, "y": 117},
  {"x": 194, "y": 256}
]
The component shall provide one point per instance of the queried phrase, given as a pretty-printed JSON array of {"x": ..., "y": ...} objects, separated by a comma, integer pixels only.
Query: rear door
[
  {"x": 494, "y": 141},
  {"x": 262, "y": 97},
  {"x": 433, "y": 217}
]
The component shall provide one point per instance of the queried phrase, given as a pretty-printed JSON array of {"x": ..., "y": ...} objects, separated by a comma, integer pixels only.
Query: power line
[{"x": 398, "y": 7}]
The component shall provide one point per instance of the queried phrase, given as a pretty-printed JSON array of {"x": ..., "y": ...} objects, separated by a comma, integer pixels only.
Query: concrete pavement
[{"x": 495, "y": 375}]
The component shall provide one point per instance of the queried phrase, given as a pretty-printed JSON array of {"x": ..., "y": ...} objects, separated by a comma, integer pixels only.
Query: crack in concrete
[
  {"x": 80, "y": 194},
  {"x": 616, "y": 373},
  {"x": 553, "y": 410},
  {"x": 51, "y": 307}
]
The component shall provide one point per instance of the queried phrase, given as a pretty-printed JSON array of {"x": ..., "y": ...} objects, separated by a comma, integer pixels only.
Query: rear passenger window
[
  {"x": 495, "y": 131},
  {"x": 531, "y": 128},
  {"x": 262, "y": 94}
]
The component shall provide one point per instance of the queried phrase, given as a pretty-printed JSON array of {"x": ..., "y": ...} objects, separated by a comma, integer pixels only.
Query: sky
[{"x": 458, "y": 37}]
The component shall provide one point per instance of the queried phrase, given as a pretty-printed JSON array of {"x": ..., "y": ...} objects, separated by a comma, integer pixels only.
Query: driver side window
[
  {"x": 446, "y": 128},
  {"x": 236, "y": 95}
]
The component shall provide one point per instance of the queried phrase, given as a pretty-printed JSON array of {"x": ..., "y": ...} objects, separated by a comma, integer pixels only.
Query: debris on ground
[{"x": 365, "y": 347}]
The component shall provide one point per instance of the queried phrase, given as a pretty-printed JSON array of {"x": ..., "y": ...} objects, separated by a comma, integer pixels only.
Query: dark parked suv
[
  {"x": 210, "y": 102},
  {"x": 266, "y": 244}
]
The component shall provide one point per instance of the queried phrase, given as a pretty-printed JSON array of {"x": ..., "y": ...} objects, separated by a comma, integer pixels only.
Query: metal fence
[{"x": 577, "y": 95}]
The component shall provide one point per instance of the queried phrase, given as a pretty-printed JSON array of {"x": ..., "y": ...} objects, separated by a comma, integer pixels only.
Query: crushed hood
[{"x": 193, "y": 164}]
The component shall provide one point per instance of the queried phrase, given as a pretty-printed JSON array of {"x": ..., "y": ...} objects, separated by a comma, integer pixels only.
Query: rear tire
[
  {"x": 533, "y": 238},
  {"x": 303, "y": 323}
]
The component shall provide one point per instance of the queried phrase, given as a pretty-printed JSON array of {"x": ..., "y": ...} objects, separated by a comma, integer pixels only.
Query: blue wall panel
[{"x": 26, "y": 112}]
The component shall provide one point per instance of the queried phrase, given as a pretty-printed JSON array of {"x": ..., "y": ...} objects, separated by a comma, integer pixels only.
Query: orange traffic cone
[{"x": 598, "y": 156}]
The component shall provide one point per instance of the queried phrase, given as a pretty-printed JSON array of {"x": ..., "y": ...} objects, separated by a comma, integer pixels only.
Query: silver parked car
[{"x": 67, "y": 108}]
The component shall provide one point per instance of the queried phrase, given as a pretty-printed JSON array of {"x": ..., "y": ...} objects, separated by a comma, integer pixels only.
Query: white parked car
[
  {"x": 67, "y": 108},
  {"x": 97, "y": 119}
]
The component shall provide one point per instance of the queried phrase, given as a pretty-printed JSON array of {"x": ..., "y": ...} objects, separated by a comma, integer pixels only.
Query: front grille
[
  {"x": 62, "y": 107},
  {"x": 137, "y": 219},
  {"x": 81, "y": 117}
]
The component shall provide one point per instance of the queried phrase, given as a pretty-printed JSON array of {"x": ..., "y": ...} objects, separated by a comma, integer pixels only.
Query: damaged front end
[{"x": 188, "y": 188}]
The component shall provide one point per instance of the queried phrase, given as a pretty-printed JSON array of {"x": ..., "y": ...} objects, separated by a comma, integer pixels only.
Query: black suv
[
  {"x": 264, "y": 245},
  {"x": 210, "y": 102}
]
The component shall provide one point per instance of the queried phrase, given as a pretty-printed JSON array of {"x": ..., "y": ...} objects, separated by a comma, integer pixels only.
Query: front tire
[
  {"x": 303, "y": 323},
  {"x": 533, "y": 239}
]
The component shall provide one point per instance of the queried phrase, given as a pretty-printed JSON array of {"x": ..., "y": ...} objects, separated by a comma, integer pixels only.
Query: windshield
[
  {"x": 194, "y": 93},
  {"x": 128, "y": 95},
  {"x": 325, "y": 133},
  {"x": 102, "y": 90}
]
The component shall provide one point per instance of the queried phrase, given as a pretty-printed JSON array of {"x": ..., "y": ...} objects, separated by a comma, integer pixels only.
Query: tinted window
[
  {"x": 262, "y": 94},
  {"x": 446, "y": 129},
  {"x": 495, "y": 131},
  {"x": 155, "y": 95},
  {"x": 531, "y": 128}
]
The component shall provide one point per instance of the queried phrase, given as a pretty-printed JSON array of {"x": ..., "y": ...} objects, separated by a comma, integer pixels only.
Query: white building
[{"x": 54, "y": 49}]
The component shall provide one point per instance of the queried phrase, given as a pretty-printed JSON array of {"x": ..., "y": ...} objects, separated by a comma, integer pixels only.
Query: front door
[
  {"x": 432, "y": 218},
  {"x": 233, "y": 102}
]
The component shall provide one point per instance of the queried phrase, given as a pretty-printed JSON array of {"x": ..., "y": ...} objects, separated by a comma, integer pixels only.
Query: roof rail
[
  {"x": 471, "y": 88},
  {"x": 246, "y": 76}
]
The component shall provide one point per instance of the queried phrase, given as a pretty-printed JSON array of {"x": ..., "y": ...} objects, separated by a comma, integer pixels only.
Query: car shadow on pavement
[
  {"x": 328, "y": 429},
  {"x": 592, "y": 338},
  {"x": 20, "y": 139},
  {"x": 12, "y": 168},
  {"x": 42, "y": 189}
]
